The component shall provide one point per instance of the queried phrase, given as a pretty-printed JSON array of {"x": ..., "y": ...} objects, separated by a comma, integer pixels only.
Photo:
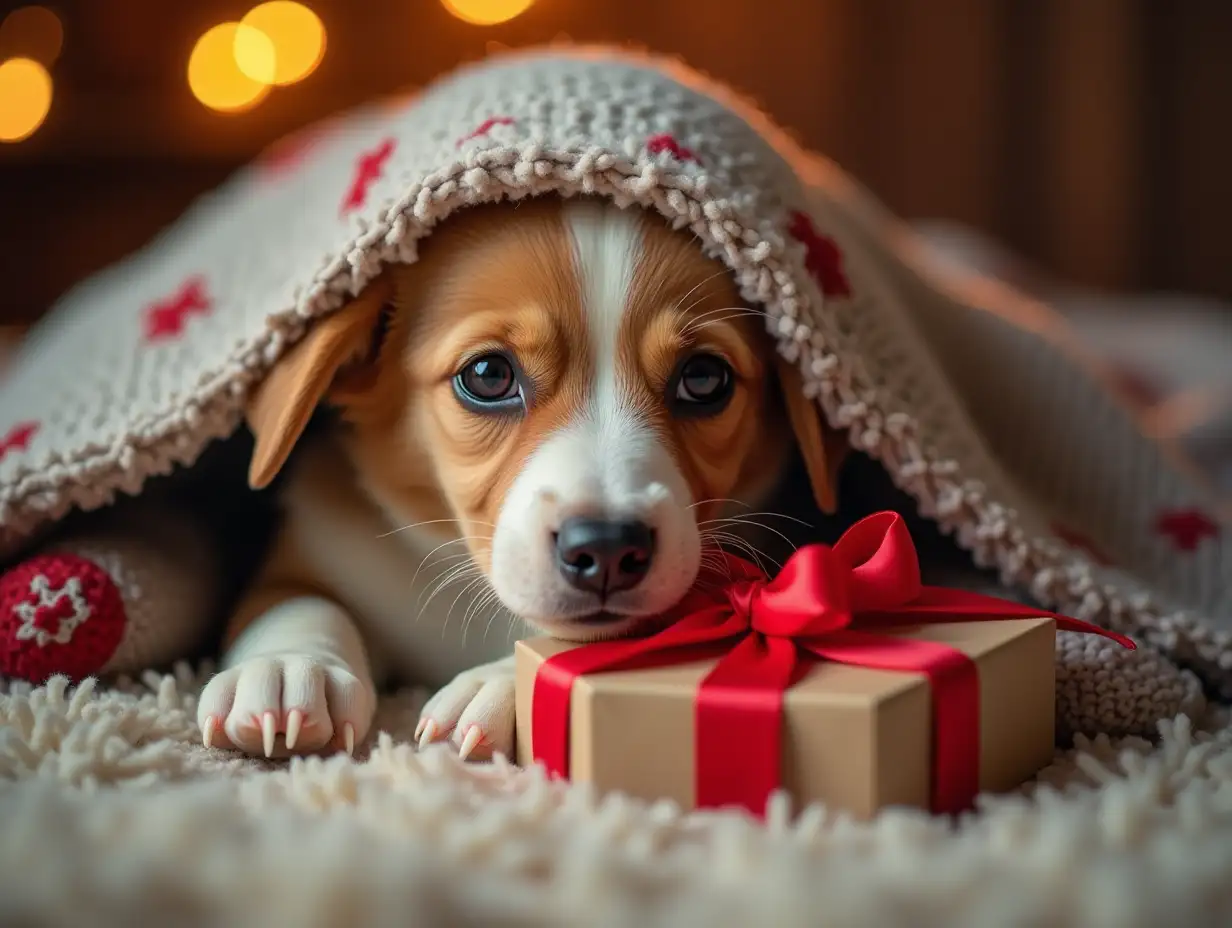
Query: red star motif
[
  {"x": 823, "y": 259},
  {"x": 1186, "y": 527},
  {"x": 18, "y": 438},
  {"x": 368, "y": 170},
  {"x": 48, "y": 617},
  {"x": 1081, "y": 542},
  {"x": 663, "y": 142},
  {"x": 485, "y": 127},
  {"x": 167, "y": 318}
]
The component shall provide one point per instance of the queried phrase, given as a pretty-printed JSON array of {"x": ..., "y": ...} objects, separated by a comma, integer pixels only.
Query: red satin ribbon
[{"x": 827, "y": 603}]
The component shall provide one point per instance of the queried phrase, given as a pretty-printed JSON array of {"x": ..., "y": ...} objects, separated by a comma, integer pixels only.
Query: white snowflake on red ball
[{"x": 54, "y": 614}]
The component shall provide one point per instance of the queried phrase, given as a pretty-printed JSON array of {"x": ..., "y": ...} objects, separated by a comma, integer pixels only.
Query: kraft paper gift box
[{"x": 843, "y": 680}]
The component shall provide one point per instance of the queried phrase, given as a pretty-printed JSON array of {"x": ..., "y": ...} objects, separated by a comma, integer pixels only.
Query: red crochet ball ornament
[{"x": 59, "y": 614}]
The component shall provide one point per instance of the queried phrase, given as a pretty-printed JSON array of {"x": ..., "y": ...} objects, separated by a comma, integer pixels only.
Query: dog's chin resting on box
[{"x": 548, "y": 422}]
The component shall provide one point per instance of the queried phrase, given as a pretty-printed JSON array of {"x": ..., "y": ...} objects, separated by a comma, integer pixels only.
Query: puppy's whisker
[
  {"x": 446, "y": 572},
  {"x": 424, "y": 561},
  {"x": 723, "y": 309},
  {"x": 698, "y": 326},
  {"x": 454, "y": 573},
  {"x": 751, "y": 310},
  {"x": 453, "y": 605},
  {"x": 717, "y": 499},
  {"x": 475, "y": 607},
  {"x": 710, "y": 314},
  {"x": 449, "y": 558},
  {"x": 466, "y": 588},
  {"x": 752, "y": 515},
  {"x": 701, "y": 283},
  {"x": 712, "y": 556},
  {"x": 750, "y": 522},
  {"x": 407, "y": 528},
  {"x": 708, "y": 584},
  {"x": 482, "y": 603},
  {"x": 701, "y": 322},
  {"x": 706, "y": 325},
  {"x": 500, "y": 610},
  {"x": 744, "y": 545},
  {"x": 476, "y": 604}
]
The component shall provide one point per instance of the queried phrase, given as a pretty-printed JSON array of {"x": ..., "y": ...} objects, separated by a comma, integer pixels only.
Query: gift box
[
  {"x": 853, "y": 738},
  {"x": 842, "y": 680}
]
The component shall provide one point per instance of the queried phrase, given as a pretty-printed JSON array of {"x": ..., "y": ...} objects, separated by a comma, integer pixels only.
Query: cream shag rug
[{"x": 111, "y": 813}]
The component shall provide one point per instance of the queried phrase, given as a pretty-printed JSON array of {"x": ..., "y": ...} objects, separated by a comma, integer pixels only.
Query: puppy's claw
[
  {"x": 207, "y": 733},
  {"x": 420, "y": 727},
  {"x": 348, "y": 738},
  {"x": 268, "y": 733},
  {"x": 295, "y": 719},
  {"x": 474, "y": 735},
  {"x": 428, "y": 735}
]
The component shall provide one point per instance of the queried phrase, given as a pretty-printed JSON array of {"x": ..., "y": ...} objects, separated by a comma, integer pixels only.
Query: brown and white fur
[{"x": 598, "y": 307}]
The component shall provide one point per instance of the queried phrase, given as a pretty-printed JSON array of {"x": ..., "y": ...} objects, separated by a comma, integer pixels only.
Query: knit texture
[
  {"x": 59, "y": 613},
  {"x": 137, "y": 587},
  {"x": 976, "y": 401}
]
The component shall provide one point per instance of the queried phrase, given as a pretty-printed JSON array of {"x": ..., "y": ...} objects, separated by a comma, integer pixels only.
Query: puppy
[{"x": 543, "y": 421}]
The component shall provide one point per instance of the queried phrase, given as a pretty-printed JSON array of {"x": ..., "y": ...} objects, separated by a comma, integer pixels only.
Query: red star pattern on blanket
[
  {"x": 485, "y": 127},
  {"x": 1084, "y": 543},
  {"x": 59, "y": 613},
  {"x": 167, "y": 318},
  {"x": 823, "y": 260},
  {"x": 1187, "y": 528},
  {"x": 665, "y": 142},
  {"x": 369, "y": 168},
  {"x": 18, "y": 438}
]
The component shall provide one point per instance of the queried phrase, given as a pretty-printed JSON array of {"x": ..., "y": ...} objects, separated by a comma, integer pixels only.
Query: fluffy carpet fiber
[{"x": 111, "y": 813}]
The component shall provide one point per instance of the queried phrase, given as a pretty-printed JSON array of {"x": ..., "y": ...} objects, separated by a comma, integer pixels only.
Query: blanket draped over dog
[{"x": 975, "y": 400}]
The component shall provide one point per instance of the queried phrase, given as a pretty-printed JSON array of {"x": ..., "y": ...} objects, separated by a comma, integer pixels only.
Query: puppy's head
[{"x": 575, "y": 385}]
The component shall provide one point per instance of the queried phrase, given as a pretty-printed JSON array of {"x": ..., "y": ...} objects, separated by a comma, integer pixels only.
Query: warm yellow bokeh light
[
  {"x": 214, "y": 75},
  {"x": 32, "y": 32},
  {"x": 255, "y": 54},
  {"x": 297, "y": 35},
  {"x": 487, "y": 12},
  {"x": 25, "y": 98}
]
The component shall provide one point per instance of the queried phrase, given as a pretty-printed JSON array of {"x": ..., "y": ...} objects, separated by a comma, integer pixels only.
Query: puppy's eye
[
  {"x": 489, "y": 383},
  {"x": 703, "y": 385}
]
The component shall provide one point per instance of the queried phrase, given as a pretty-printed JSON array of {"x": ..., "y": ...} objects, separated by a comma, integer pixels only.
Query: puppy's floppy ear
[
  {"x": 329, "y": 361},
  {"x": 822, "y": 448}
]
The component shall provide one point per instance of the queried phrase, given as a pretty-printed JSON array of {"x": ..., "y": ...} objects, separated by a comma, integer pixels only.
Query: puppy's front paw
[
  {"x": 291, "y": 704},
  {"x": 475, "y": 712}
]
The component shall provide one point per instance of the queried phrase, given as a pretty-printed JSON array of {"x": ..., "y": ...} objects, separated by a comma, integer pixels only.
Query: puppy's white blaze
[{"x": 606, "y": 462}]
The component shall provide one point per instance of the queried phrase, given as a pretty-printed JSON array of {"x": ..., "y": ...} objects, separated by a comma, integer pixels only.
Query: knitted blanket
[{"x": 977, "y": 402}]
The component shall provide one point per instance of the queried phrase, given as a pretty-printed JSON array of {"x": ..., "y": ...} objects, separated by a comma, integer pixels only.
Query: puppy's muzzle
[{"x": 604, "y": 557}]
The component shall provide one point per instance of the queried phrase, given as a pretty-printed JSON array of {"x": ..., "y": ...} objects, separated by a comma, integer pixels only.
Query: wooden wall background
[{"x": 1093, "y": 135}]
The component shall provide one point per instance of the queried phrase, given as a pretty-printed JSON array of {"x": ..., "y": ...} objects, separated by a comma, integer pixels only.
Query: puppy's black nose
[{"x": 604, "y": 557}]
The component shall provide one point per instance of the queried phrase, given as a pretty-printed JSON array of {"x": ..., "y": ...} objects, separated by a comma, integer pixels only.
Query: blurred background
[{"x": 1079, "y": 148}]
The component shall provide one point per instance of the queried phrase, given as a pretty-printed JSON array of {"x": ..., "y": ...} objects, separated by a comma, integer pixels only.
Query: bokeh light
[
  {"x": 255, "y": 54},
  {"x": 487, "y": 12},
  {"x": 25, "y": 98},
  {"x": 32, "y": 32},
  {"x": 214, "y": 73},
  {"x": 298, "y": 39}
]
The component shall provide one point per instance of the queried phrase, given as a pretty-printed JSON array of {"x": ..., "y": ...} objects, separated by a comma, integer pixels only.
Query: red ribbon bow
[{"x": 827, "y": 603}]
